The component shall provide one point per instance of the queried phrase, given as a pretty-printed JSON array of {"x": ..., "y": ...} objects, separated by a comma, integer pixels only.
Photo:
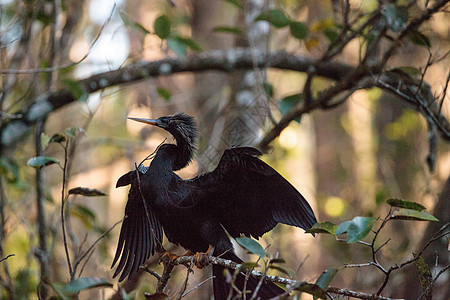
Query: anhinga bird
[{"x": 242, "y": 196}]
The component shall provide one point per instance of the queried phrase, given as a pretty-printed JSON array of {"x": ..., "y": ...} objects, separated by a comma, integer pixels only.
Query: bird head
[{"x": 183, "y": 129}]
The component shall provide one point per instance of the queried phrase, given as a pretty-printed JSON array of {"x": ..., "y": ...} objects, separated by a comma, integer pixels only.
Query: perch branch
[{"x": 168, "y": 267}]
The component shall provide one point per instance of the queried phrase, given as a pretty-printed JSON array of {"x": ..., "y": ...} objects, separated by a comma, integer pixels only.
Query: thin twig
[
  {"x": 444, "y": 92},
  {"x": 358, "y": 265},
  {"x": 85, "y": 262},
  {"x": 95, "y": 243},
  {"x": 446, "y": 268},
  {"x": 69, "y": 65},
  {"x": 439, "y": 234},
  {"x": 186, "y": 280},
  {"x": 63, "y": 202},
  {"x": 197, "y": 286},
  {"x": 354, "y": 294},
  {"x": 6, "y": 257},
  {"x": 150, "y": 271}
]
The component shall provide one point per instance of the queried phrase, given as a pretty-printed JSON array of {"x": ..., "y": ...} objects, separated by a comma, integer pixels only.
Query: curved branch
[{"x": 347, "y": 77}]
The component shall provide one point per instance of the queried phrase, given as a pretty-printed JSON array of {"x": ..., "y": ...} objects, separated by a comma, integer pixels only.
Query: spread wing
[
  {"x": 141, "y": 232},
  {"x": 249, "y": 197}
]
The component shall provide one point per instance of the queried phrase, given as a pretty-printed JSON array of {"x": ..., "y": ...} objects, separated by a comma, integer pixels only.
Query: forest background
[{"x": 348, "y": 100}]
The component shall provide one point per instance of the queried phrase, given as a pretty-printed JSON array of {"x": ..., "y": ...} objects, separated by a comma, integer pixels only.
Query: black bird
[{"x": 242, "y": 196}]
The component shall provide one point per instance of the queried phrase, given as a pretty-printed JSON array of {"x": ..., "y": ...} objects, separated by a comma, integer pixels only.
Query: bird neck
[
  {"x": 164, "y": 159},
  {"x": 170, "y": 157},
  {"x": 183, "y": 157},
  {"x": 184, "y": 153}
]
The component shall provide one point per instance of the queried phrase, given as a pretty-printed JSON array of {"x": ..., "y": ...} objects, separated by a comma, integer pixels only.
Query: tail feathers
[{"x": 222, "y": 289}]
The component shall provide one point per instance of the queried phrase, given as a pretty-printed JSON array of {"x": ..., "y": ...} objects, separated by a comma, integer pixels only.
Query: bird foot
[
  {"x": 201, "y": 259},
  {"x": 168, "y": 257}
]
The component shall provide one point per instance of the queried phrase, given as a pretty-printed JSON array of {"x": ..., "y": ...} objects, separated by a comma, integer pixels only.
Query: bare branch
[
  {"x": 221, "y": 60},
  {"x": 197, "y": 286},
  {"x": 6, "y": 257},
  {"x": 66, "y": 66},
  {"x": 445, "y": 269},
  {"x": 354, "y": 294},
  {"x": 150, "y": 271}
]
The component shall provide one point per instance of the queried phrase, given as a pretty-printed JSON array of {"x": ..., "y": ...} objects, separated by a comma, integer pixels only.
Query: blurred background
[{"x": 346, "y": 161}]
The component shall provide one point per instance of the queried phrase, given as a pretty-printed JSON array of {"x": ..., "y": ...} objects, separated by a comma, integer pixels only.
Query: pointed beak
[{"x": 146, "y": 121}]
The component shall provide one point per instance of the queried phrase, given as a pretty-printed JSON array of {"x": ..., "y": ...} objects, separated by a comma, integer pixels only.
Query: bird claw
[
  {"x": 168, "y": 257},
  {"x": 201, "y": 259}
]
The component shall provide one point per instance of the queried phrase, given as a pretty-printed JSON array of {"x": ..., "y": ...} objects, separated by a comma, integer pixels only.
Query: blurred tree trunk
[
  {"x": 395, "y": 164},
  {"x": 332, "y": 155},
  {"x": 208, "y": 92},
  {"x": 437, "y": 256},
  {"x": 241, "y": 117}
]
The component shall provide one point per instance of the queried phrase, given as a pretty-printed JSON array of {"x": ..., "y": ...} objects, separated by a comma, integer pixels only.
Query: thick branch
[{"x": 221, "y": 60}]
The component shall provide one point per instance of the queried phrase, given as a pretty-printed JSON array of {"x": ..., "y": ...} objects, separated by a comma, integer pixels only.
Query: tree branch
[
  {"x": 290, "y": 283},
  {"x": 347, "y": 77}
]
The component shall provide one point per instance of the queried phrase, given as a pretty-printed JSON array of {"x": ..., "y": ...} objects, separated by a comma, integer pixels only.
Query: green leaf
[
  {"x": 9, "y": 169},
  {"x": 57, "y": 138},
  {"x": 85, "y": 283},
  {"x": 45, "y": 140},
  {"x": 236, "y": 3},
  {"x": 228, "y": 29},
  {"x": 425, "y": 276},
  {"x": 251, "y": 245},
  {"x": 72, "y": 131},
  {"x": 299, "y": 30},
  {"x": 312, "y": 289},
  {"x": 289, "y": 272},
  {"x": 84, "y": 210},
  {"x": 277, "y": 261},
  {"x": 418, "y": 38},
  {"x": 176, "y": 46},
  {"x": 268, "y": 88},
  {"x": 179, "y": 45},
  {"x": 84, "y": 214},
  {"x": 411, "y": 214},
  {"x": 162, "y": 26},
  {"x": 323, "y": 227},
  {"x": 289, "y": 102},
  {"x": 356, "y": 229},
  {"x": 330, "y": 33},
  {"x": 163, "y": 93},
  {"x": 190, "y": 43},
  {"x": 39, "y": 162},
  {"x": 58, "y": 288},
  {"x": 76, "y": 89},
  {"x": 86, "y": 192},
  {"x": 275, "y": 17},
  {"x": 396, "y": 16},
  {"x": 125, "y": 19},
  {"x": 130, "y": 23},
  {"x": 405, "y": 204},
  {"x": 249, "y": 265},
  {"x": 411, "y": 71},
  {"x": 326, "y": 277}
]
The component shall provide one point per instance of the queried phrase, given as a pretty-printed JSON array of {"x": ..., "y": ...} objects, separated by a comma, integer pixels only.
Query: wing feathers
[
  {"x": 138, "y": 233},
  {"x": 249, "y": 197}
]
